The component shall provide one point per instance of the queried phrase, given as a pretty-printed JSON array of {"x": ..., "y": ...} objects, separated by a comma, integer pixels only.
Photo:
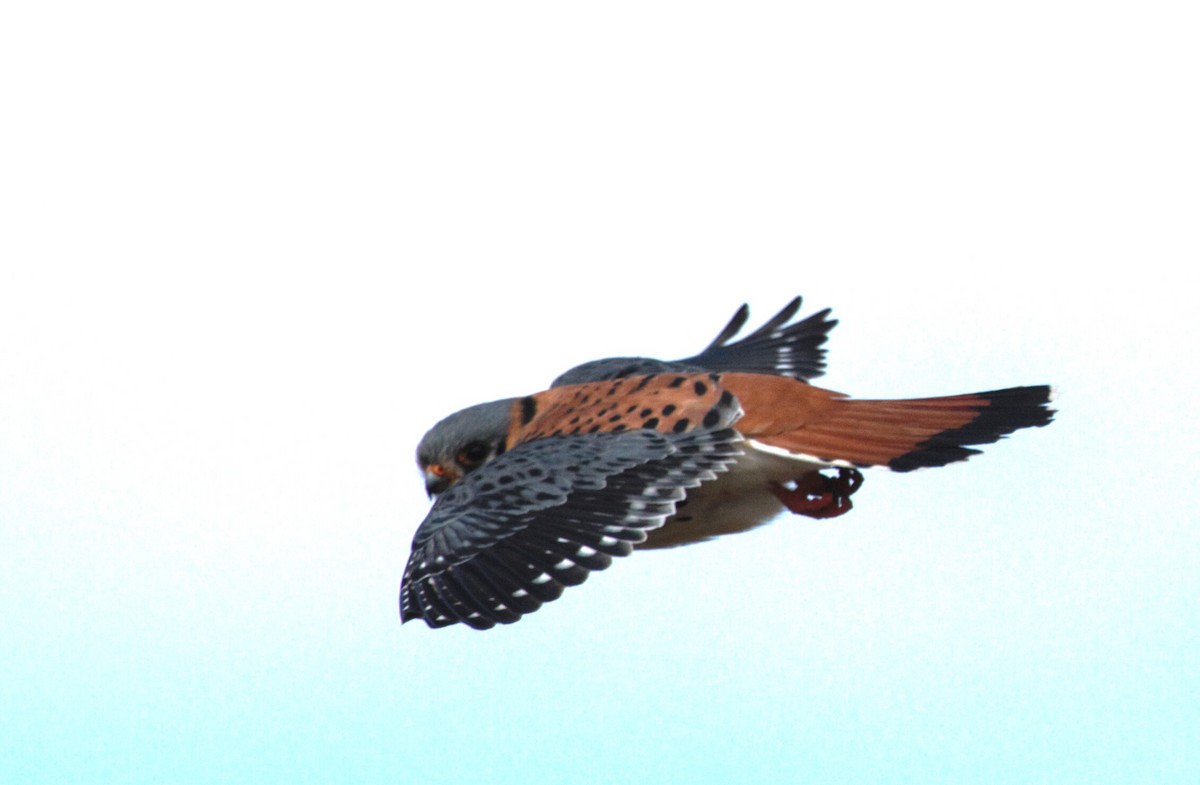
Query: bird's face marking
[
  {"x": 462, "y": 443},
  {"x": 452, "y": 467}
]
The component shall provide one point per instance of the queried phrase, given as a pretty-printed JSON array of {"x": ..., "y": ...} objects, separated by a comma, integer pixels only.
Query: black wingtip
[
  {"x": 777, "y": 348},
  {"x": 733, "y": 328}
]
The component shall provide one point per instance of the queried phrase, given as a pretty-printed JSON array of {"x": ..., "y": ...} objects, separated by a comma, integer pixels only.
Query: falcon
[{"x": 534, "y": 493}]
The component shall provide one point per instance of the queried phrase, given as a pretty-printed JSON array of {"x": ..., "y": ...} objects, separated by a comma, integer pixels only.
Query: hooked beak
[{"x": 437, "y": 479}]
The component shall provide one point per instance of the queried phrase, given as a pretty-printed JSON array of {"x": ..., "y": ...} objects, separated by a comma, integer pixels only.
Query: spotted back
[{"x": 668, "y": 403}]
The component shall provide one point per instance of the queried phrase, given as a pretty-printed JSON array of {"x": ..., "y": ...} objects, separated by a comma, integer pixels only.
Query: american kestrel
[{"x": 533, "y": 493}]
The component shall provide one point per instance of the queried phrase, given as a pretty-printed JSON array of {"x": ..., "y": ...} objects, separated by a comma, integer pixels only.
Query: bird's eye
[{"x": 472, "y": 455}]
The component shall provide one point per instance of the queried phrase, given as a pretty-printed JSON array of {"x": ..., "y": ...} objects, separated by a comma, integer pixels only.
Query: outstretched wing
[
  {"x": 540, "y": 517},
  {"x": 776, "y": 348}
]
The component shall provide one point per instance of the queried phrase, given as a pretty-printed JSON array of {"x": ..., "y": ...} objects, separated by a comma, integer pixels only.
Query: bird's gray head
[{"x": 462, "y": 442}]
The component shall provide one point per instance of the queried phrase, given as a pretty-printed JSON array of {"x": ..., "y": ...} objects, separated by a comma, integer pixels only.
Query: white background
[{"x": 250, "y": 251}]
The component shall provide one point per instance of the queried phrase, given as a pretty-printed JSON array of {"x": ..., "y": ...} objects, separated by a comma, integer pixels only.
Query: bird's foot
[{"x": 820, "y": 496}]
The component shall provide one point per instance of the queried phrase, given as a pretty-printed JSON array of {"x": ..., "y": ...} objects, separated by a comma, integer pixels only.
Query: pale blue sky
[{"x": 251, "y": 251}]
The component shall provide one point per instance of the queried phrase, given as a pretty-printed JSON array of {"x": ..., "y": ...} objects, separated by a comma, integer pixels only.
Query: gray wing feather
[
  {"x": 777, "y": 348},
  {"x": 510, "y": 536}
]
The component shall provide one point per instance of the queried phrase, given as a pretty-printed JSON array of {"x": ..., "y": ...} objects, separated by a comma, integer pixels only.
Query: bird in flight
[{"x": 533, "y": 493}]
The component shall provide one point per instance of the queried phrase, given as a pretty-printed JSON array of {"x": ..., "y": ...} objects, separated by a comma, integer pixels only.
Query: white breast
[{"x": 738, "y": 500}]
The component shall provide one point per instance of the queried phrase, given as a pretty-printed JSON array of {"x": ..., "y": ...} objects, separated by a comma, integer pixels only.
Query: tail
[
  {"x": 993, "y": 415},
  {"x": 902, "y": 435}
]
